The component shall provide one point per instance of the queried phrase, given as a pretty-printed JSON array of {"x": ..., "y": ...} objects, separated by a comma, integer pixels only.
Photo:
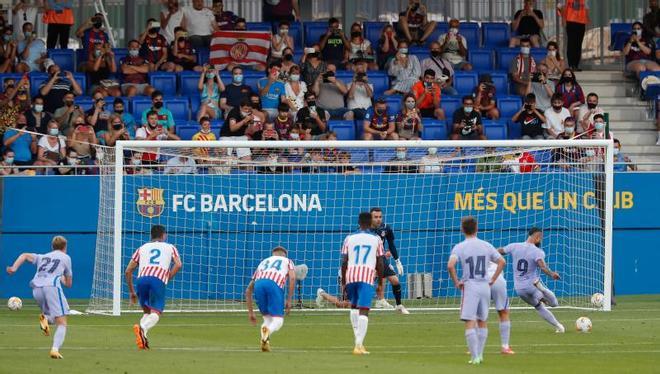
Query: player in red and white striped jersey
[
  {"x": 154, "y": 260},
  {"x": 362, "y": 259}
]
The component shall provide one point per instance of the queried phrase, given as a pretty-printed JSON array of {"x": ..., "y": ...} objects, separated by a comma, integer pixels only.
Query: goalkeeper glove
[{"x": 399, "y": 266}]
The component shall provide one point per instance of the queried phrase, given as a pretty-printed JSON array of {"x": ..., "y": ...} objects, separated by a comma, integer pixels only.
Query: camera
[
  {"x": 327, "y": 75},
  {"x": 528, "y": 106},
  {"x": 536, "y": 77},
  {"x": 428, "y": 85},
  {"x": 360, "y": 77}
]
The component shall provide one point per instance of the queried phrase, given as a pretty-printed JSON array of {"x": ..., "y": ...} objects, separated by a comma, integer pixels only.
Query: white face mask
[
  {"x": 638, "y": 32},
  {"x": 590, "y": 153},
  {"x": 453, "y": 30},
  {"x": 524, "y": 50},
  {"x": 600, "y": 126},
  {"x": 53, "y": 132},
  {"x": 433, "y": 151},
  {"x": 569, "y": 130},
  {"x": 616, "y": 151},
  {"x": 136, "y": 161},
  {"x": 294, "y": 77},
  {"x": 38, "y": 108},
  {"x": 72, "y": 161},
  {"x": 295, "y": 136},
  {"x": 552, "y": 53},
  {"x": 401, "y": 155}
]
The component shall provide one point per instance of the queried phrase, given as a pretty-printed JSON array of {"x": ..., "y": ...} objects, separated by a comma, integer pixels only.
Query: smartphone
[
  {"x": 83, "y": 128},
  {"x": 159, "y": 127}
]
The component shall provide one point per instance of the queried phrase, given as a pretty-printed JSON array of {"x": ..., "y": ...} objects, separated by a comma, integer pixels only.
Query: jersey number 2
[
  {"x": 478, "y": 269},
  {"x": 155, "y": 255}
]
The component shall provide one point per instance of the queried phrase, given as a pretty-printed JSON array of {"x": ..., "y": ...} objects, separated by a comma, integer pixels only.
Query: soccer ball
[
  {"x": 583, "y": 324},
  {"x": 597, "y": 300},
  {"x": 14, "y": 303}
]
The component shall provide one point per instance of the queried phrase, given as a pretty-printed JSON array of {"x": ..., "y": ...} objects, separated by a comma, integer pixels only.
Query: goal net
[{"x": 225, "y": 214}]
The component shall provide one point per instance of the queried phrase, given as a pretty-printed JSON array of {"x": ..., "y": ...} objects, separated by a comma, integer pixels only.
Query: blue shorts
[
  {"x": 269, "y": 297},
  {"x": 151, "y": 293},
  {"x": 360, "y": 294}
]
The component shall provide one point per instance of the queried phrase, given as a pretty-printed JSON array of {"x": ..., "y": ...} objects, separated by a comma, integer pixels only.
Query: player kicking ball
[
  {"x": 385, "y": 233},
  {"x": 474, "y": 255},
  {"x": 528, "y": 259},
  {"x": 53, "y": 271},
  {"x": 154, "y": 262},
  {"x": 267, "y": 286},
  {"x": 362, "y": 260}
]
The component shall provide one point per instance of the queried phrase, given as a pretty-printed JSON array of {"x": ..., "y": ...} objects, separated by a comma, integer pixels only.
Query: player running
[
  {"x": 267, "y": 285},
  {"x": 528, "y": 258},
  {"x": 473, "y": 255},
  {"x": 155, "y": 271},
  {"x": 362, "y": 260},
  {"x": 498, "y": 293},
  {"x": 385, "y": 232},
  {"x": 53, "y": 271}
]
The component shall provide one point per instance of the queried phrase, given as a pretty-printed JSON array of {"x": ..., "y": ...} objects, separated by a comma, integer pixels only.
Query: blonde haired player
[
  {"x": 267, "y": 285},
  {"x": 53, "y": 271},
  {"x": 154, "y": 260}
]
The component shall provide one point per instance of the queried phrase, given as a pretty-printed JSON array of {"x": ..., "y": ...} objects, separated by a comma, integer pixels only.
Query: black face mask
[
  {"x": 288, "y": 57},
  {"x": 415, "y": 7},
  {"x": 356, "y": 34},
  {"x": 158, "y": 104},
  {"x": 98, "y": 24},
  {"x": 380, "y": 111},
  {"x": 68, "y": 102},
  {"x": 119, "y": 111},
  {"x": 557, "y": 107},
  {"x": 154, "y": 31},
  {"x": 311, "y": 103},
  {"x": 117, "y": 127},
  {"x": 181, "y": 40},
  {"x": 435, "y": 53},
  {"x": 591, "y": 105},
  {"x": 10, "y": 87},
  {"x": 256, "y": 106},
  {"x": 313, "y": 55},
  {"x": 21, "y": 125}
]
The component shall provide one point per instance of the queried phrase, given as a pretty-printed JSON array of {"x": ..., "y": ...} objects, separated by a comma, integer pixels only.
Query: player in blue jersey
[
  {"x": 362, "y": 260},
  {"x": 53, "y": 271},
  {"x": 473, "y": 255},
  {"x": 528, "y": 259},
  {"x": 267, "y": 285},
  {"x": 157, "y": 263},
  {"x": 385, "y": 233}
]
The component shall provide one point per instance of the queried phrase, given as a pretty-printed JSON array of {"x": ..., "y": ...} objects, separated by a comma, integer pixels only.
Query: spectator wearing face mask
[
  {"x": 235, "y": 92},
  {"x": 56, "y": 87},
  {"x": 312, "y": 65},
  {"x": 554, "y": 61},
  {"x": 334, "y": 45},
  {"x": 587, "y": 112},
  {"x": 400, "y": 163},
  {"x": 287, "y": 60},
  {"x": 117, "y": 130},
  {"x": 91, "y": 33},
  {"x": 331, "y": 92},
  {"x": 37, "y": 119},
  {"x": 359, "y": 49},
  {"x": 165, "y": 118},
  {"x": 555, "y": 117},
  {"x": 431, "y": 162},
  {"x": 236, "y": 126},
  {"x": 70, "y": 165},
  {"x": 310, "y": 119},
  {"x": 67, "y": 113},
  {"x": 8, "y": 50},
  {"x": 444, "y": 71},
  {"x": 409, "y": 121},
  {"x": 153, "y": 47},
  {"x": 379, "y": 123},
  {"x": 484, "y": 98},
  {"x": 24, "y": 13},
  {"x": 406, "y": 70},
  {"x": 182, "y": 55},
  {"x": 567, "y": 155},
  {"x": 570, "y": 90},
  {"x": 597, "y": 131},
  {"x": 97, "y": 116},
  {"x": 134, "y": 69},
  {"x": 127, "y": 119},
  {"x": 281, "y": 40},
  {"x": 639, "y": 52},
  {"x": 210, "y": 86},
  {"x": 22, "y": 143},
  {"x": 621, "y": 161},
  {"x": 388, "y": 46},
  {"x": 531, "y": 120},
  {"x": 453, "y": 47},
  {"x": 101, "y": 64},
  {"x": 51, "y": 149},
  {"x": 522, "y": 67},
  {"x": 295, "y": 90},
  {"x": 7, "y": 166},
  {"x": 467, "y": 123},
  {"x": 31, "y": 51}
]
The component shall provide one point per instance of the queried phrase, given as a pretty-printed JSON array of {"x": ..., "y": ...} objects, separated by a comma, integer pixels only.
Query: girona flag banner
[{"x": 243, "y": 47}]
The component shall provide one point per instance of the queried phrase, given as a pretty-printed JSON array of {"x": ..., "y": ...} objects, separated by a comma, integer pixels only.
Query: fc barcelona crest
[{"x": 150, "y": 202}]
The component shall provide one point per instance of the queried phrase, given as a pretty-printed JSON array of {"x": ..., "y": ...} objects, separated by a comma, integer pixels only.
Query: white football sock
[
  {"x": 275, "y": 324},
  {"x": 505, "y": 333},
  {"x": 58, "y": 339},
  {"x": 144, "y": 318},
  {"x": 355, "y": 313},
  {"x": 150, "y": 321},
  {"x": 267, "y": 321},
  {"x": 363, "y": 323},
  {"x": 482, "y": 334}
]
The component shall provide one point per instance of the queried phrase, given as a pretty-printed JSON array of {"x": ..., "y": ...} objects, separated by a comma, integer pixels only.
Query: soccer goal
[{"x": 225, "y": 213}]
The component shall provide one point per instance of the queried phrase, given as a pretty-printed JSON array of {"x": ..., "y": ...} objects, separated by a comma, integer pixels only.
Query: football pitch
[{"x": 626, "y": 340}]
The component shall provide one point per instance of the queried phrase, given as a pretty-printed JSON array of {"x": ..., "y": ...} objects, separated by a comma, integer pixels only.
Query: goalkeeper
[{"x": 386, "y": 234}]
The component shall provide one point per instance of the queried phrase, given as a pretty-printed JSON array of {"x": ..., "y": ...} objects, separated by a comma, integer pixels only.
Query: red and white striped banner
[{"x": 243, "y": 47}]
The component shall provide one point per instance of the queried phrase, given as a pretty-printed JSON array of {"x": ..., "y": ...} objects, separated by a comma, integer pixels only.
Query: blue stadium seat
[
  {"x": 394, "y": 104},
  {"x": 513, "y": 130},
  {"x": 163, "y": 81},
  {"x": 380, "y": 80},
  {"x": 195, "y": 103},
  {"x": 15, "y": 76},
  {"x": 37, "y": 79},
  {"x": 359, "y": 155},
  {"x": 450, "y": 105},
  {"x": 481, "y": 59},
  {"x": 383, "y": 154},
  {"x": 434, "y": 130},
  {"x": 501, "y": 82},
  {"x": 440, "y": 28},
  {"x": 345, "y": 129},
  {"x": 495, "y": 34},
  {"x": 298, "y": 55},
  {"x": 295, "y": 31},
  {"x": 260, "y": 26},
  {"x": 618, "y": 29},
  {"x": 645, "y": 74},
  {"x": 422, "y": 53},
  {"x": 542, "y": 156},
  {"x": 188, "y": 83},
  {"x": 179, "y": 106},
  {"x": 120, "y": 54},
  {"x": 508, "y": 105},
  {"x": 652, "y": 92},
  {"x": 313, "y": 32},
  {"x": 140, "y": 104},
  {"x": 495, "y": 131},
  {"x": 620, "y": 40},
  {"x": 345, "y": 76},
  {"x": 81, "y": 78},
  {"x": 539, "y": 54},
  {"x": 187, "y": 130},
  {"x": 65, "y": 58},
  {"x": 465, "y": 81},
  {"x": 372, "y": 32},
  {"x": 85, "y": 102},
  {"x": 472, "y": 33},
  {"x": 504, "y": 57},
  {"x": 252, "y": 77}
]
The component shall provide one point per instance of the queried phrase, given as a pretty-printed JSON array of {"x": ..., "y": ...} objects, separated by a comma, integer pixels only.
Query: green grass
[{"x": 624, "y": 340}]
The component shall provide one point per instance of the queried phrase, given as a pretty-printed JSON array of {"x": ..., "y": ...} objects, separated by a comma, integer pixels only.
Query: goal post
[{"x": 228, "y": 215}]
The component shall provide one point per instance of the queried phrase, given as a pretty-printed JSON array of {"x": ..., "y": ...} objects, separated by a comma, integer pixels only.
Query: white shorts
[
  {"x": 240, "y": 152},
  {"x": 499, "y": 295},
  {"x": 51, "y": 300},
  {"x": 530, "y": 295},
  {"x": 475, "y": 301}
]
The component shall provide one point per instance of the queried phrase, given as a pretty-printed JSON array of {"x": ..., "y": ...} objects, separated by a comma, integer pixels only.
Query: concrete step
[
  {"x": 610, "y": 89},
  {"x": 645, "y": 162},
  {"x": 639, "y": 138},
  {"x": 627, "y": 114},
  {"x": 622, "y": 101},
  {"x": 647, "y": 150},
  {"x": 599, "y": 76},
  {"x": 632, "y": 125}
]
